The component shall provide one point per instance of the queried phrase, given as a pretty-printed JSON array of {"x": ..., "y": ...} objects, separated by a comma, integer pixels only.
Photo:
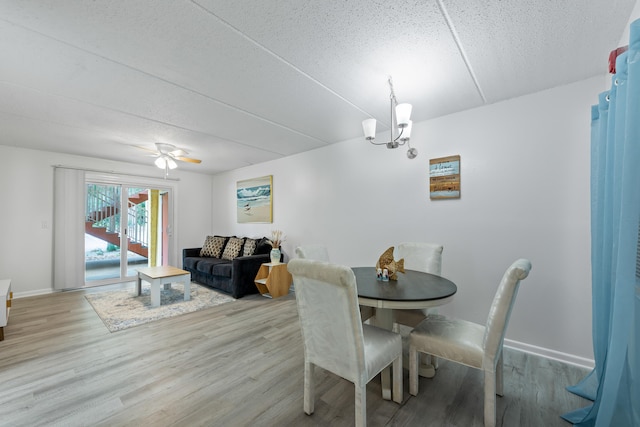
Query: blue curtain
[{"x": 614, "y": 384}]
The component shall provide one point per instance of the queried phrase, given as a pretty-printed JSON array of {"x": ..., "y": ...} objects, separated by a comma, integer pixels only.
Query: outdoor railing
[{"x": 103, "y": 210}]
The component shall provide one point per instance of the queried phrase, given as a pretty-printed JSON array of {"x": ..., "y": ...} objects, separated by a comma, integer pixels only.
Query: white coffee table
[{"x": 163, "y": 275}]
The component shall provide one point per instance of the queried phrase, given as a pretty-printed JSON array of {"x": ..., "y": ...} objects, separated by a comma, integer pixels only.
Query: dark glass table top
[{"x": 411, "y": 286}]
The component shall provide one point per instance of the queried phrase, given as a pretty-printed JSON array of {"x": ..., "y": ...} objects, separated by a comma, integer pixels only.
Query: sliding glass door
[{"x": 126, "y": 227}]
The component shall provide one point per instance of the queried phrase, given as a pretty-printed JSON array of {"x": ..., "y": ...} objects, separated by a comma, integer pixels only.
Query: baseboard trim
[
  {"x": 551, "y": 354},
  {"x": 32, "y": 293}
]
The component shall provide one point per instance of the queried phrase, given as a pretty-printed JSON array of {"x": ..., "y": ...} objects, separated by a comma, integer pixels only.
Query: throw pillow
[
  {"x": 213, "y": 246},
  {"x": 233, "y": 248},
  {"x": 263, "y": 246},
  {"x": 250, "y": 246}
]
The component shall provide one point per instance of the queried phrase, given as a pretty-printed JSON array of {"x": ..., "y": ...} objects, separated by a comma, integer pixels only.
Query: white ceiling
[{"x": 241, "y": 82}]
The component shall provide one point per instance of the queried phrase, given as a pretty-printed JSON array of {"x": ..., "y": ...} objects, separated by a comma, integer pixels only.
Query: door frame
[{"x": 133, "y": 181}]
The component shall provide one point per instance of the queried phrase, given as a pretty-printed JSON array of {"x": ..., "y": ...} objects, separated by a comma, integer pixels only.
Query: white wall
[
  {"x": 525, "y": 193},
  {"x": 26, "y": 216}
]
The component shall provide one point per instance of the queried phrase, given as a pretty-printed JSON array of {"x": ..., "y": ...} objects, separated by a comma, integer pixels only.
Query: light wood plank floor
[{"x": 239, "y": 364}]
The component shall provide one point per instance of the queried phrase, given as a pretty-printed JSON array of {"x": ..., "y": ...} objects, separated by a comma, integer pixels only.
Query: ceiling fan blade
[
  {"x": 188, "y": 159},
  {"x": 150, "y": 150}
]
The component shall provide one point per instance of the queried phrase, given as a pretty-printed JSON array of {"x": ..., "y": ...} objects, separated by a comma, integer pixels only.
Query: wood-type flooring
[{"x": 238, "y": 364}]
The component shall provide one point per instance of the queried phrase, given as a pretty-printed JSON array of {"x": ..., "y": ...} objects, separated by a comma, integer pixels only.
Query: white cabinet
[{"x": 5, "y": 304}]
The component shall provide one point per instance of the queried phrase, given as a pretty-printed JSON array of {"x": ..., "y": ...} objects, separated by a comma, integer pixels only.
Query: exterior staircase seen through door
[{"x": 102, "y": 219}]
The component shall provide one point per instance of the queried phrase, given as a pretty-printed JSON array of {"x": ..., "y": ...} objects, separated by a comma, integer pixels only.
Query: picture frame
[
  {"x": 254, "y": 200},
  {"x": 444, "y": 178}
]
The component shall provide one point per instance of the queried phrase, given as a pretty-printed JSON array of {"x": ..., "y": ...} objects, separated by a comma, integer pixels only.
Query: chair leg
[
  {"x": 309, "y": 388},
  {"x": 414, "y": 361},
  {"x": 499, "y": 376},
  {"x": 489, "y": 399},
  {"x": 361, "y": 405},
  {"x": 397, "y": 380}
]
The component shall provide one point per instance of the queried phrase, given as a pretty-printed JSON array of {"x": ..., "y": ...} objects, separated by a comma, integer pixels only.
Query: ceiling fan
[{"x": 167, "y": 154}]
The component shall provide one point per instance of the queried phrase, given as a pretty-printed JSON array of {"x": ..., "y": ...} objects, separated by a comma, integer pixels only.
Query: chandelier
[{"x": 400, "y": 125}]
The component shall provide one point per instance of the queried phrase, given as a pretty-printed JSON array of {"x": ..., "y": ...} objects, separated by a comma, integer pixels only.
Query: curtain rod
[{"x": 114, "y": 172}]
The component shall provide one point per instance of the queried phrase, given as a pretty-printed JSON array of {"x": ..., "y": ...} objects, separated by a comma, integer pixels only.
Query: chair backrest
[
  {"x": 329, "y": 317},
  {"x": 314, "y": 252},
  {"x": 425, "y": 257},
  {"x": 501, "y": 307}
]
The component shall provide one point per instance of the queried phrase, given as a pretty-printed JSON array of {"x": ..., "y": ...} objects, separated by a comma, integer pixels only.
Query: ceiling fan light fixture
[
  {"x": 161, "y": 162},
  {"x": 167, "y": 156}
]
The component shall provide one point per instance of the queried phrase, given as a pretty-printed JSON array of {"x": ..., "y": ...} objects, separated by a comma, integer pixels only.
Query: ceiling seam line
[
  {"x": 172, "y": 125},
  {"x": 233, "y": 107},
  {"x": 281, "y": 59},
  {"x": 66, "y": 125},
  {"x": 465, "y": 58}
]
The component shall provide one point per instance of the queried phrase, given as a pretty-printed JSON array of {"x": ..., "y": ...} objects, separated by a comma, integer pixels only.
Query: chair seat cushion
[
  {"x": 451, "y": 339},
  {"x": 380, "y": 348}
]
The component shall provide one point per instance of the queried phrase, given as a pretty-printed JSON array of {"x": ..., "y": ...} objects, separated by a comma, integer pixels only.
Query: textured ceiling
[{"x": 241, "y": 82}]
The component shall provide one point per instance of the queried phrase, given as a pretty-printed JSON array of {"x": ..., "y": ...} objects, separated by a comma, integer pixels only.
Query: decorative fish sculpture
[{"x": 393, "y": 267}]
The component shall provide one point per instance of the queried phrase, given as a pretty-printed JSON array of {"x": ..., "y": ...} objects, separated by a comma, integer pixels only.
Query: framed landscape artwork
[
  {"x": 444, "y": 178},
  {"x": 255, "y": 200}
]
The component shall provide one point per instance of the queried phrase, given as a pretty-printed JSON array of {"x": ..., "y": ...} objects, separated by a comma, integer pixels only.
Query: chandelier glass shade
[{"x": 403, "y": 114}]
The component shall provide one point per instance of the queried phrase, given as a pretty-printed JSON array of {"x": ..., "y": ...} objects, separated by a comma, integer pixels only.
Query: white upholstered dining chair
[
  {"x": 320, "y": 253},
  {"x": 335, "y": 339},
  {"x": 419, "y": 256},
  {"x": 471, "y": 344}
]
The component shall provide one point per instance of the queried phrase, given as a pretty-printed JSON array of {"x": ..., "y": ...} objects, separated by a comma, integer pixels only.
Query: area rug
[{"x": 122, "y": 309}]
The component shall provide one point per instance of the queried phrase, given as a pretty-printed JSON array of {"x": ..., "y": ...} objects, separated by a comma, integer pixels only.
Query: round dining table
[{"x": 413, "y": 289}]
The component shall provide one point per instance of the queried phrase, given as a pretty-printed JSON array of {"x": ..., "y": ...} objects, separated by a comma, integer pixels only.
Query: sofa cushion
[
  {"x": 233, "y": 248},
  {"x": 213, "y": 246},
  {"x": 222, "y": 269},
  {"x": 206, "y": 265},
  {"x": 250, "y": 246},
  {"x": 191, "y": 262}
]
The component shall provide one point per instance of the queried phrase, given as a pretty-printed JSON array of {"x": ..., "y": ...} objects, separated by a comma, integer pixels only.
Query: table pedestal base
[
  {"x": 383, "y": 318},
  {"x": 425, "y": 369}
]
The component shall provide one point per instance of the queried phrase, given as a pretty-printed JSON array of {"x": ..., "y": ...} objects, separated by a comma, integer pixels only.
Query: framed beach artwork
[
  {"x": 255, "y": 200},
  {"x": 444, "y": 178}
]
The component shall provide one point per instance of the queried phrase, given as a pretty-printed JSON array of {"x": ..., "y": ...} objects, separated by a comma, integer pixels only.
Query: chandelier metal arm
[
  {"x": 398, "y": 137},
  {"x": 377, "y": 143}
]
